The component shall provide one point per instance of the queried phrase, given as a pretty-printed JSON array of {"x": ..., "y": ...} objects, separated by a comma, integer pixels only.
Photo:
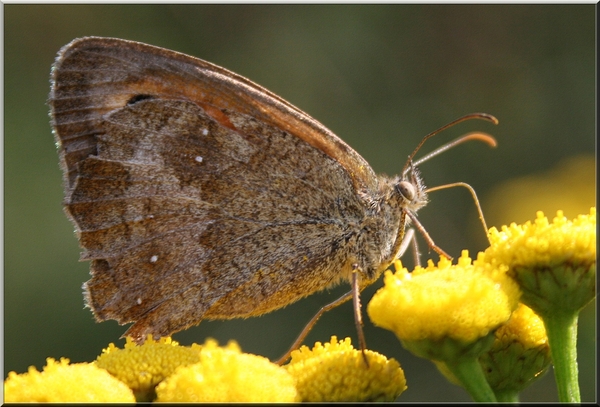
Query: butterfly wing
[
  {"x": 93, "y": 76},
  {"x": 195, "y": 193}
]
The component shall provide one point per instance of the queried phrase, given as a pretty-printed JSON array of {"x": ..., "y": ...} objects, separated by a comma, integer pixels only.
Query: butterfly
[{"x": 197, "y": 194}]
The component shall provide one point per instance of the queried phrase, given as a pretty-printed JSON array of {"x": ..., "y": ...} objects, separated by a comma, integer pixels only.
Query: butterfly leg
[
  {"x": 410, "y": 240},
  {"x": 357, "y": 311},
  {"x": 311, "y": 323}
]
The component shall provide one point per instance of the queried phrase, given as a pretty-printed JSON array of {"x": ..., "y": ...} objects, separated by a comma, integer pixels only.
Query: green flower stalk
[{"x": 555, "y": 267}]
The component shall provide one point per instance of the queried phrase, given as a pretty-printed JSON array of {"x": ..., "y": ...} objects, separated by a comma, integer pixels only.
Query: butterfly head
[{"x": 410, "y": 190}]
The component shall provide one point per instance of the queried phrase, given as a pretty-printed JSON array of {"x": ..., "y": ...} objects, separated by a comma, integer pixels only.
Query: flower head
[
  {"x": 142, "y": 367},
  {"x": 61, "y": 382},
  {"x": 554, "y": 262},
  {"x": 225, "y": 374},
  {"x": 518, "y": 356},
  {"x": 461, "y": 301},
  {"x": 336, "y": 371},
  {"x": 520, "y": 353},
  {"x": 555, "y": 267}
]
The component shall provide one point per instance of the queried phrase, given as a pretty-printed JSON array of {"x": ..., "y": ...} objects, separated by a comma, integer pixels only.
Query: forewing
[
  {"x": 94, "y": 75},
  {"x": 193, "y": 207}
]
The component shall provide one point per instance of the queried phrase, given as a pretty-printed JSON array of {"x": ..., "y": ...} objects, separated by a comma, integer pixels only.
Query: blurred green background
[{"x": 381, "y": 77}]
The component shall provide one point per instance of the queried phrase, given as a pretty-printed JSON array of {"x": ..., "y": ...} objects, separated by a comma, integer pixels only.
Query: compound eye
[{"x": 406, "y": 189}]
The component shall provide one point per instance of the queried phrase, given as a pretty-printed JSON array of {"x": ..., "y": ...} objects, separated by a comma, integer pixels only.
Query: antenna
[{"x": 481, "y": 136}]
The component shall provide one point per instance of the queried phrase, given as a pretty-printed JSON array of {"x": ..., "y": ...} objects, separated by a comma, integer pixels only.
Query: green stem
[
  {"x": 470, "y": 374},
  {"x": 507, "y": 397},
  {"x": 562, "y": 338}
]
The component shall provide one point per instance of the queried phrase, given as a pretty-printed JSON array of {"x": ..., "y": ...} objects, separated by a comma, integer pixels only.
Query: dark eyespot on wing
[{"x": 138, "y": 98}]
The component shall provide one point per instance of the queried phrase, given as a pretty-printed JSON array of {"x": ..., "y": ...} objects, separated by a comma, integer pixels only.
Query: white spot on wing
[
  {"x": 199, "y": 159},
  {"x": 154, "y": 259},
  {"x": 205, "y": 132},
  {"x": 139, "y": 301}
]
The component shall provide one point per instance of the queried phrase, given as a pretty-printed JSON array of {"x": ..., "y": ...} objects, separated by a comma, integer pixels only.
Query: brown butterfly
[{"x": 197, "y": 194}]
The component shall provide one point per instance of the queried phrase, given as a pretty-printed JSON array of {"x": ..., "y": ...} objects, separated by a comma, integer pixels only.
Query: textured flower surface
[
  {"x": 336, "y": 371},
  {"x": 546, "y": 243},
  {"x": 518, "y": 356},
  {"x": 142, "y": 367},
  {"x": 225, "y": 374},
  {"x": 61, "y": 382},
  {"x": 461, "y": 301},
  {"x": 520, "y": 353},
  {"x": 554, "y": 262}
]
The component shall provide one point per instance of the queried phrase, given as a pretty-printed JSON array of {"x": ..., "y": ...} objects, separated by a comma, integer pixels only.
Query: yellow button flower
[
  {"x": 60, "y": 382},
  {"x": 460, "y": 301},
  {"x": 554, "y": 263},
  {"x": 337, "y": 372},
  {"x": 225, "y": 374},
  {"x": 519, "y": 355},
  {"x": 447, "y": 313},
  {"x": 142, "y": 367},
  {"x": 555, "y": 267}
]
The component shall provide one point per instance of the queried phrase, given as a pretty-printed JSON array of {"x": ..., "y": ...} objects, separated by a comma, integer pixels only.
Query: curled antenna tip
[
  {"x": 486, "y": 116},
  {"x": 486, "y": 138}
]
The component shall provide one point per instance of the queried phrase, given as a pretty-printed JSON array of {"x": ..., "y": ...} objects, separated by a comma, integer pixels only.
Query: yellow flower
[
  {"x": 142, "y": 367},
  {"x": 523, "y": 327},
  {"x": 461, "y": 302},
  {"x": 60, "y": 382},
  {"x": 519, "y": 355},
  {"x": 225, "y": 374},
  {"x": 448, "y": 314},
  {"x": 553, "y": 263},
  {"x": 555, "y": 267},
  {"x": 337, "y": 372}
]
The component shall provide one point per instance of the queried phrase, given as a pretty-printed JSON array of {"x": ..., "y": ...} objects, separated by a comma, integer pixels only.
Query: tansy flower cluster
[
  {"x": 163, "y": 371},
  {"x": 461, "y": 316},
  {"x": 206, "y": 373},
  {"x": 554, "y": 264},
  {"x": 456, "y": 315}
]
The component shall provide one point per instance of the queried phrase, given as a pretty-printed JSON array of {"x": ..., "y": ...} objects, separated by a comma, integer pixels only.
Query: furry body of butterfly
[{"x": 197, "y": 194}]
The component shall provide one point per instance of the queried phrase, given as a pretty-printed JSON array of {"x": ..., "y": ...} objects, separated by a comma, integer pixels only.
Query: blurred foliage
[{"x": 379, "y": 76}]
